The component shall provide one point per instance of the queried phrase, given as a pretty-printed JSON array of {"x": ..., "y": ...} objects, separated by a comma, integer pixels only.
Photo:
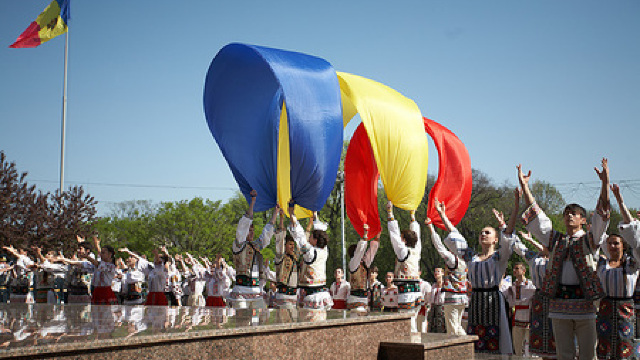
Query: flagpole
[{"x": 64, "y": 110}]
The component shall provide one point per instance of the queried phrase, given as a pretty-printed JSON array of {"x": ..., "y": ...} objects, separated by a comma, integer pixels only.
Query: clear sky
[{"x": 554, "y": 85}]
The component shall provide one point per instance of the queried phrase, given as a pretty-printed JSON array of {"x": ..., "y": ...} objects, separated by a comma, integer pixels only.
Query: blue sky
[{"x": 554, "y": 85}]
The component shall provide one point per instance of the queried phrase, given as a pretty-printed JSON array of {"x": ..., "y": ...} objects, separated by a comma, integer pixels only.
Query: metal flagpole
[
  {"x": 344, "y": 261},
  {"x": 64, "y": 110}
]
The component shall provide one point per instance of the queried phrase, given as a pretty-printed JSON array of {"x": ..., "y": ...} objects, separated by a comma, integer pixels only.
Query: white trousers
[
  {"x": 566, "y": 330},
  {"x": 520, "y": 339},
  {"x": 453, "y": 318}
]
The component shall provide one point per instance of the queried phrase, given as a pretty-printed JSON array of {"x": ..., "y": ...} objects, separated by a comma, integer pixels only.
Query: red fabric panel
[
  {"x": 454, "y": 183},
  {"x": 29, "y": 38},
  {"x": 361, "y": 184}
]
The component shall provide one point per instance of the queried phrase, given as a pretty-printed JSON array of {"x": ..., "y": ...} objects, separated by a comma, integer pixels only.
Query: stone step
[{"x": 428, "y": 346}]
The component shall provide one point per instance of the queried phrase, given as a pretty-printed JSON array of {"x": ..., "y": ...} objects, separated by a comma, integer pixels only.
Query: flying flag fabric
[{"x": 49, "y": 24}]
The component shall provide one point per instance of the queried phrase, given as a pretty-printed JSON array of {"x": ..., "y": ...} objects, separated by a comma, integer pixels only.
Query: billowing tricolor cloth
[
  {"x": 398, "y": 144},
  {"x": 454, "y": 183},
  {"x": 277, "y": 118},
  {"x": 50, "y": 23}
]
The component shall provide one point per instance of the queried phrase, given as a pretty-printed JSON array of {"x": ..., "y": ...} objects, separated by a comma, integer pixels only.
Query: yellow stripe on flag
[
  {"x": 396, "y": 132},
  {"x": 284, "y": 168},
  {"x": 51, "y": 24}
]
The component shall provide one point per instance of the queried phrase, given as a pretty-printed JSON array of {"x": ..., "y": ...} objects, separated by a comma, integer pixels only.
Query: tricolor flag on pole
[{"x": 49, "y": 24}]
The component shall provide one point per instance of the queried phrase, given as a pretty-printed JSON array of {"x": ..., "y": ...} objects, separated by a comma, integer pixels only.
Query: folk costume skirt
[
  {"x": 541, "y": 340},
  {"x": 488, "y": 320},
  {"x": 616, "y": 329}
]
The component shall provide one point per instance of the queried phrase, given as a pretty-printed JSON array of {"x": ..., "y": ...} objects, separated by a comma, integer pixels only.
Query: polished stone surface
[
  {"x": 40, "y": 329},
  {"x": 428, "y": 346}
]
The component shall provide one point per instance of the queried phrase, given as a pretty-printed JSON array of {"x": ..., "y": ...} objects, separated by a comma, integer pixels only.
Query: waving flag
[{"x": 49, "y": 24}]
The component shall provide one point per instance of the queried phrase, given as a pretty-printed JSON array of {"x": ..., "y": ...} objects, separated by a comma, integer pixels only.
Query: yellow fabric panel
[
  {"x": 51, "y": 24},
  {"x": 348, "y": 109},
  {"x": 284, "y": 168},
  {"x": 396, "y": 131}
]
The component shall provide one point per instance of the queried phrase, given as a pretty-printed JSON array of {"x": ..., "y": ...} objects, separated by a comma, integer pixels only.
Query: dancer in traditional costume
[
  {"x": 541, "y": 340},
  {"x": 359, "y": 265},
  {"x": 454, "y": 282},
  {"x": 105, "y": 271},
  {"x": 389, "y": 297},
  {"x": 5, "y": 279},
  {"x": 50, "y": 278},
  {"x": 487, "y": 310},
  {"x": 287, "y": 267},
  {"x": 407, "y": 247},
  {"x": 197, "y": 282},
  {"x": 571, "y": 280},
  {"x": 247, "y": 292},
  {"x": 80, "y": 275},
  {"x": 312, "y": 282},
  {"x": 134, "y": 278},
  {"x": 519, "y": 296},
  {"x": 425, "y": 289},
  {"x": 22, "y": 281},
  {"x": 619, "y": 275},
  {"x": 339, "y": 290},
  {"x": 375, "y": 295},
  {"x": 436, "y": 320},
  {"x": 157, "y": 280},
  {"x": 220, "y": 277}
]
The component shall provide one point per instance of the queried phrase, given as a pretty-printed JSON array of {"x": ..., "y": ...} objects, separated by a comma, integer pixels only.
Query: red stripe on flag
[{"x": 29, "y": 38}]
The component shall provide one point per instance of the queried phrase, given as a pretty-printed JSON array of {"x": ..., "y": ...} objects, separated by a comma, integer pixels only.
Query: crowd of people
[{"x": 579, "y": 300}]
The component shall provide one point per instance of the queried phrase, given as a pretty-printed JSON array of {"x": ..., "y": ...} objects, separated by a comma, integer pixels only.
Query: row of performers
[
  {"x": 586, "y": 288},
  {"x": 85, "y": 279}
]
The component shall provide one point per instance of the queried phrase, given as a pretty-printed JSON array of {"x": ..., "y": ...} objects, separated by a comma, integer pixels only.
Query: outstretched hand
[
  {"x": 615, "y": 189},
  {"x": 499, "y": 216},
  {"x": 524, "y": 179},
  {"x": 440, "y": 207},
  {"x": 604, "y": 173}
]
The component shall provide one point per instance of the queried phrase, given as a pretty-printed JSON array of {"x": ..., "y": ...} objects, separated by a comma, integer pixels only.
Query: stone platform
[
  {"x": 137, "y": 332},
  {"x": 428, "y": 346}
]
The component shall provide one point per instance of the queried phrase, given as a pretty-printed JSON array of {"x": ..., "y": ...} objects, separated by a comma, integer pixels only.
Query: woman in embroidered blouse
[
  {"x": 23, "y": 276},
  {"x": 105, "y": 271},
  {"x": 435, "y": 318},
  {"x": 454, "y": 284},
  {"x": 619, "y": 276},
  {"x": 487, "y": 311},
  {"x": 390, "y": 295}
]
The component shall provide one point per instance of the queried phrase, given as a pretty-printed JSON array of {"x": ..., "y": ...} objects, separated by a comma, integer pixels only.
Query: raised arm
[
  {"x": 399, "y": 247},
  {"x": 244, "y": 225},
  {"x": 299, "y": 236},
  {"x": 511, "y": 225},
  {"x": 536, "y": 221},
  {"x": 441, "y": 209},
  {"x": 624, "y": 211},
  {"x": 374, "y": 244},
  {"x": 130, "y": 253},
  {"x": 249, "y": 212},
  {"x": 361, "y": 248},
  {"x": 448, "y": 257},
  {"x": 603, "y": 200},
  {"x": 267, "y": 232},
  {"x": 600, "y": 219},
  {"x": 524, "y": 185},
  {"x": 629, "y": 227}
]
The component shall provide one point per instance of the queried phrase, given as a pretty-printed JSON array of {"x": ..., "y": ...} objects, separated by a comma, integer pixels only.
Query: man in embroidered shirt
[{"x": 571, "y": 281}]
